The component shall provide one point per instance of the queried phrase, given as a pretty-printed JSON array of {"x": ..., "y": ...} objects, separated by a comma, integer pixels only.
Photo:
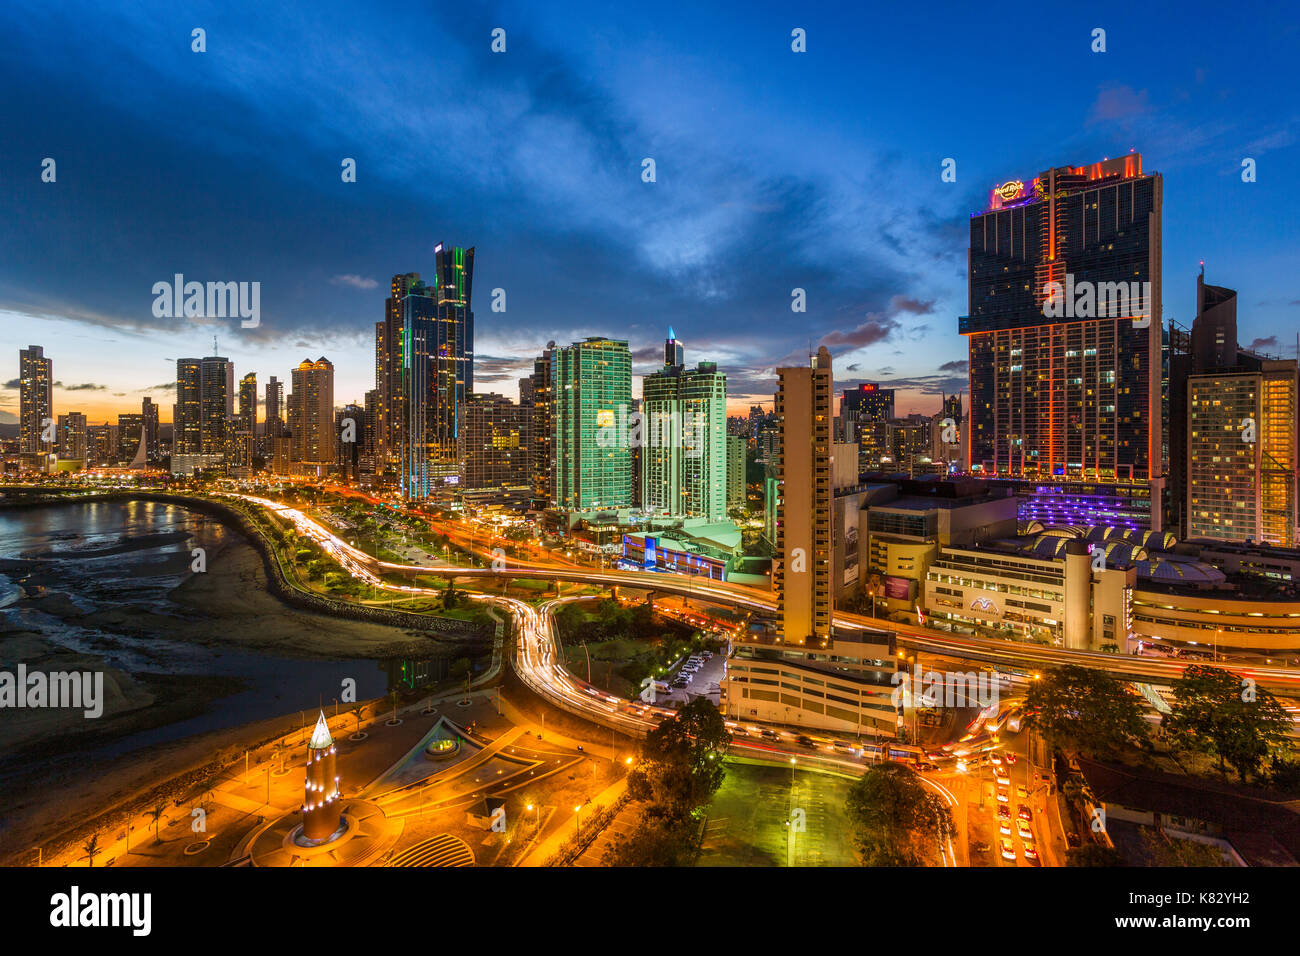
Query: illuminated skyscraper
[
  {"x": 72, "y": 436},
  {"x": 683, "y": 438},
  {"x": 35, "y": 399},
  {"x": 801, "y": 569},
  {"x": 149, "y": 413},
  {"x": 1064, "y": 330},
  {"x": 1241, "y": 440},
  {"x": 275, "y": 410},
  {"x": 311, "y": 413},
  {"x": 542, "y": 390},
  {"x": 593, "y": 389}
]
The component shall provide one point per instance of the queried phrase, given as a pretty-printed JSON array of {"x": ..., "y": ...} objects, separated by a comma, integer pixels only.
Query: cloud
[
  {"x": 1268, "y": 343},
  {"x": 957, "y": 365},
  {"x": 901, "y": 303},
  {"x": 1117, "y": 104},
  {"x": 13, "y": 383},
  {"x": 356, "y": 281},
  {"x": 84, "y": 387}
]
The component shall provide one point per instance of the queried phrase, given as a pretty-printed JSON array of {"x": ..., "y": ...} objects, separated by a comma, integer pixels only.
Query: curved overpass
[{"x": 1281, "y": 680}]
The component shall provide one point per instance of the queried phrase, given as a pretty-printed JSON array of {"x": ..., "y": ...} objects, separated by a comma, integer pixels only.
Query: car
[
  {"x": 1023, "y": 829},
  {"x": 1031, "y": 854},
  {"x": 926, "y": 767},
  {"x": 1004, "y": 827},
  {"x": 995, "y": 759},
  {"x": 1003, "y": 782},
  {"x": 803, "y": 741},
  {"x": 1001, "y": 773},
  {"x": 1022, "y": 792},
  {"x": 1004, "y": 813},
  {"x": 1008, "y": 851},
  {"x": 1024, "y": 812},
  {"x": 769, "y": 734},
  {"x": 1010, "y": 757},
  {"x": 1002, "y": 797},
  {"x": 843, "y": 746}
]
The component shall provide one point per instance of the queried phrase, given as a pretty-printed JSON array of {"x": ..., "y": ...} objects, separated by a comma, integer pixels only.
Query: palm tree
[
  {"x": 91, "y": 847},
  {"x": 156, "y": 814},
  {"x": 358, "y": 711}
]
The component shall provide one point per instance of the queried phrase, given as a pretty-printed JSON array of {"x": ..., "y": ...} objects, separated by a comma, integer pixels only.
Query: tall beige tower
[{"x": 801, "y": 571}]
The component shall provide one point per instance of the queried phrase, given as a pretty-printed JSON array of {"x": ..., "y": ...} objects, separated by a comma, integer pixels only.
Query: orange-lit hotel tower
[
  {"x": 320, "y": 807},
  {"x": 1064, "y": 335}
]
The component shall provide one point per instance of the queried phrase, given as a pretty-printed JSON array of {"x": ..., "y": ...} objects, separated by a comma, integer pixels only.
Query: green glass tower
[
  {"x": 593, "y": 395},
  {"x": 684, "y": 438}
]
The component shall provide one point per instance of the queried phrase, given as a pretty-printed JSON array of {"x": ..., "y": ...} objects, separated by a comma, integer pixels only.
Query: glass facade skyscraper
[{"x": 593, "y": 392}]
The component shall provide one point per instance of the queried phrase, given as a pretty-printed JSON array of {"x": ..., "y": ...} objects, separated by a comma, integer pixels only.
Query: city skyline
[{"x": 859, "y": 217}]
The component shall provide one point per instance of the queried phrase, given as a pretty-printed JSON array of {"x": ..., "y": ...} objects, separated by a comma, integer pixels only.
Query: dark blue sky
[{"x": 775, "y": 170}]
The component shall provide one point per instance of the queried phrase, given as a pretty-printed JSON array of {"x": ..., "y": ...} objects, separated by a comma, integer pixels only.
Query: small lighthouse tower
[{"x": 321, "y": 809}]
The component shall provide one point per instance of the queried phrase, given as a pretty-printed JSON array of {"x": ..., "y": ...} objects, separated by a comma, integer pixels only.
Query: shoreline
[{"x": 49, "y": 755}]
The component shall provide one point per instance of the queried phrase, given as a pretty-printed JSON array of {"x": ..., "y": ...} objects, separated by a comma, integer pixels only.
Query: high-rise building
[
  {"x": 684, "y": 439},
  {"x": 370, "y": 451},
  {"x": 497, "y": 444},
  {"x": 808, "y": 673},
  {"x": 801, "y": 569},
  {"x": 149, "y": 414},
  {"x": 424, "y": 370},
  {"x": 866, "y": 412},
  {"x": 735, "y": 471},
  {"x": 130, "y": 433},
  {"x": 35, "y": 399},
  {"x": 543, "y": 428},
  {"x": 245, "y": 430},
  {"x": 593, "y": 388},
  {"x": 1240, "y": 431},
  {"x": 389, "y": 342},
  {"x": 311, "y": 413},
  {"x": 350, "y": 441},
  {"x": 275, "y": 410},
  {"x": 1064, "y": 327},
  {"x": 72, "y": 436},
  {"x": 204, "y": 405}
]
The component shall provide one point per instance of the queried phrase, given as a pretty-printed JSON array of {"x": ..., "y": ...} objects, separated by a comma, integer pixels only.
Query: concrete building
[
  {"x": 497, "y": 437},
  {"x": 736, "y": 490},
  {"x": 311, "y": 416}
]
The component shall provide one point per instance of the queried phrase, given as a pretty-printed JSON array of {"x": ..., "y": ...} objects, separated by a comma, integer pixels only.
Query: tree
[
  {"x": 1160, "y": 850},
  {"x": 91, "y": 847},
  {"x": 680, "y": 765},
  {"x": 1215, "y": 712},
  {"x": 652, "y": 841},
  {"x": 1084, "y": 709},
  {"x": 459, "y": 669},
  {"x": 358, "y": 711},
  {"x": 896, "y": 821},
  {"x": 156, "y": 814},
  {"x": 1094, "y": 854}
]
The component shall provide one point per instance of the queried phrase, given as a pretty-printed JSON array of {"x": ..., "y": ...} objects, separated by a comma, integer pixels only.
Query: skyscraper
[
  {"x": 149, "y": 415},
  {"x": 424, "y": 371},
  {"x": 866, "y": 412},
  {"x": 683, "y": 439},
  {"x": 593, "y": 388},
  {"x": 246, "y": 421},
  {"x": 130, "y": 433},
  {"x": 1064, "y": 327},
  {"x": 497, "y": 445},
  {"x": 311, "y": 414},
  {"x": 72, "y": 436},
  {"x": 35, "y": 399},
  {"x": 275, "y": 410},
  {"x": 543, "y": 428},
  {"x": 216, "y": 403},
  {"x": 187, "y": 436},
  {"x": 801, "y": 569},
  {"x": 1240, "y": 428},
  {"x": 735, "y": 471}
]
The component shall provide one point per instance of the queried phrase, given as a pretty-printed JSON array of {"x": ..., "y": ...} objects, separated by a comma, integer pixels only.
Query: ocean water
[{"x": 100, "y": 554}]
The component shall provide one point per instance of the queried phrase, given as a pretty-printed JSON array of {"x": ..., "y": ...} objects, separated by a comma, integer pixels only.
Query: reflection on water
[{"x": 104, "y": 554}]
